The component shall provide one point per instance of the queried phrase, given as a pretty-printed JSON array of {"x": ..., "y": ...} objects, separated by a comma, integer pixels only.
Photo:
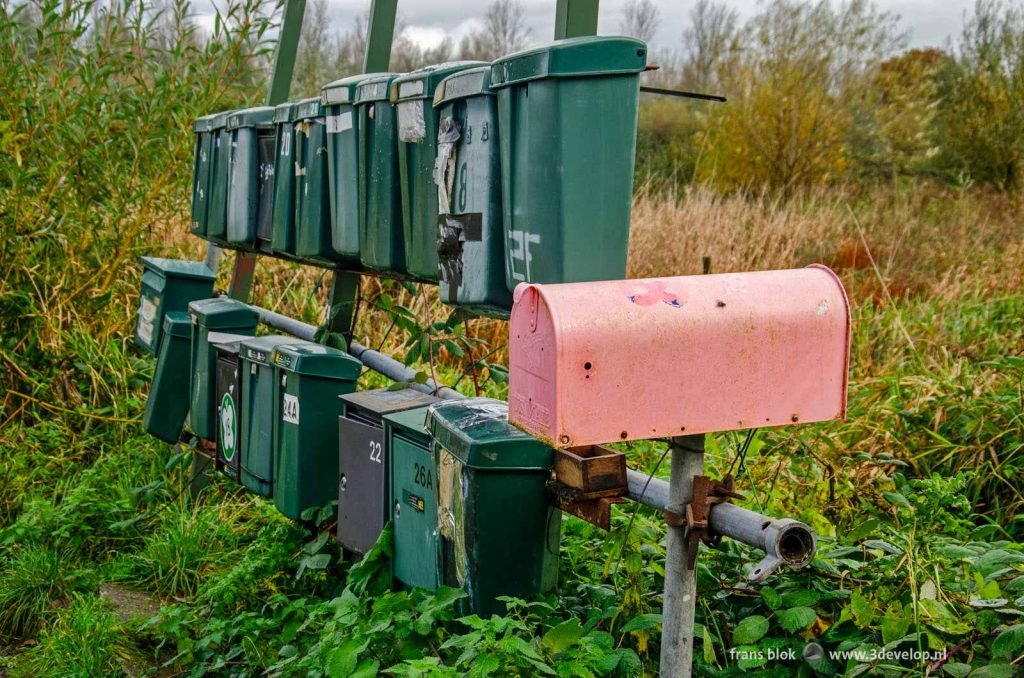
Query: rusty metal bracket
[
  {"x": 706, "y": 493},
  {"x": 595, "y": 510}
]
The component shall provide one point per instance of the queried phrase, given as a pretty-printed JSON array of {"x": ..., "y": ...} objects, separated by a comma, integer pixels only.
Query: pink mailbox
[{"x": 598, "y": 362}]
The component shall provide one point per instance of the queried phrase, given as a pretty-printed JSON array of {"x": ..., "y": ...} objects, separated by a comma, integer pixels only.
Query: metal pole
[
  {"x": 679, "y": 605},
  {"x": 575, "y": 18}
]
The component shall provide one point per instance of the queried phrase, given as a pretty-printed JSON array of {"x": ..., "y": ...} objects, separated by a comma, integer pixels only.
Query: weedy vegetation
[{"x": 901, "y": 170}]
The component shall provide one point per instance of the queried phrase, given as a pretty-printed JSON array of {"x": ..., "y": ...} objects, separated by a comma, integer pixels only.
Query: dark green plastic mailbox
[
  {"x": 257, "y": 420},
  {"x": 283, "y": 219},
  {"x": 201, "y": 175},
  {"x": 380, "y": 199},
  {"x": 470, "y": 241},
  {"x": 250, "y": 132},
  {"x": 217, "y": 210},
  {"x": 412, "y": 95},
  {"x": 338, "y": 99},
  {"x": 567, "y": 115},
  {"x": 499, "y": 534},
  {"x": 414, "y": 496},
  {"x": 364, "y": 462},
  {"x": 213, "y": 320},
  {"x": 312, "y": 200},
  {"x": 306, "y": 409},
  {"x": 167, "y": 405},
  {"x": 167, "y": 285}
]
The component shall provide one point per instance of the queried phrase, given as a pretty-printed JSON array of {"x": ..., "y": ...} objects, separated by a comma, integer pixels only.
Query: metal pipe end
[{"x": 796, "y": 544}]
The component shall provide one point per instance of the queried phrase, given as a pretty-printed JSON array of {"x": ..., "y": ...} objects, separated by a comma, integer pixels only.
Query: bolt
[{"x": 564, "y": 439}]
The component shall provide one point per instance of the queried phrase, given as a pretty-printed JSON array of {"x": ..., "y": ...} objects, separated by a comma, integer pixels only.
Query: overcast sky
[{"x": 928, "y": 22}]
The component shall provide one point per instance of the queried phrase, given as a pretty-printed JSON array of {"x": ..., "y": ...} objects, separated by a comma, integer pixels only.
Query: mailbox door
[
  {"x": 243, "y": 187},
  {"x": 417, "y": 149},
  {"x": 229, "y": 401},
  {"x": 470, "y": 242},
  {"x": 363, "y": 469},
  {"x": 216, "y": 224},
  {"x": 283, "y": 221},
  {"x": 265, "y": 198},
  {"x": 203, "y": 406},
  {"x": 380, "y": 213},
  {"x": 414, "y": 511},
  {"x": 343, "y": 179},
  {"x": 201, "y": 182},
  {"x": 167, "y": 405},
  {"x": 312, "y": 197},
  {"x": 257, "y": 460},
  {"x": 149, "y": 319}
]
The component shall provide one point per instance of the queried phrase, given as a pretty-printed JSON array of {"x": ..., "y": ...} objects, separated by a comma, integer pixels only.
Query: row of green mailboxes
[
  {"x": 465, "y": 490},
  {"x": 479, "y": 176}
]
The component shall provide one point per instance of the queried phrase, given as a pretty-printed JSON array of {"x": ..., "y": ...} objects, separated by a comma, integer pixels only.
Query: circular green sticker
[{"x": 228, "y": 439}]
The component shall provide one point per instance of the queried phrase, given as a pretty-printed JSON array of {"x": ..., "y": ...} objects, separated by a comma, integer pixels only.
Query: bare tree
[
  {"x": 504, "y": 31},
  {"x": 707, "y": 43},
  {"x": 640, "y": 19}
]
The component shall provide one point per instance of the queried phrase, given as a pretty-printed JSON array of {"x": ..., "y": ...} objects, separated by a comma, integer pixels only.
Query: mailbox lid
[
  {"x": 575, "y": 57},
  {"x": 316, "y": 360},
  {"x": 283, "y": 112},
  {"x": 260, "y": 349},
  {"x": 306, "y": 109},
  {"x": 260, "y": 116},
  {"x": 222, "y": 313},
  {"x": 687, "y": 355},
  {"x": 468, "y": 83},
  {"x": 385, "y": 401},
  {"x": 410, "y": 423},
  {"x": 477, "y": 432},
  {"x": 343, "y": 91},
  {"x": 421, "y": 83},
  {"x": 177, "y": 324},
  {"x": 177, "y": 268},
  {"x": 376, "y": 88}
]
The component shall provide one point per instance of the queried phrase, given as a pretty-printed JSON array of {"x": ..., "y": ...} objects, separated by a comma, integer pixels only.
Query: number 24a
[{"x": 375, "y": 451}]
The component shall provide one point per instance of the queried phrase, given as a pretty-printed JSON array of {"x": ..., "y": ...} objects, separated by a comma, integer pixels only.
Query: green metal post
[
  {"x": 380, "y": 35},
  {"x": 280, "y": 84},
  {"x": 575, "y": 18}
]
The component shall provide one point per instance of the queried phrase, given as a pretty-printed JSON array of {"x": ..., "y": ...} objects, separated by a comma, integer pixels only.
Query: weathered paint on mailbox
[{"x": 596, "y": 362}]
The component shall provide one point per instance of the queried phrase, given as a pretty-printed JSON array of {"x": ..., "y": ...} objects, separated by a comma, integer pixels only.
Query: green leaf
[
  {"x": 643, "y": 621},
  {"x": 708, "y": 648},
  {"x": 560, "y": 638},
  {"x": 421, "y": 377},
  {"x": 1009, "y": 643},
  {"x": 367, "y": 668},
  {"x": 895, "y": 498},
  {"x": 750, "y": 657},
  {"x": 801, "y": 598},
  {"x": 797, "y": 618},
  {"x": 771, "y": 598},
  {"x": 957, "y": 670},
  {"x": 995, "y": 671},
  {"x": 343, "y": 659},
  {"x": 750, "y": 630},
  {"x": 895, "y": 623}
]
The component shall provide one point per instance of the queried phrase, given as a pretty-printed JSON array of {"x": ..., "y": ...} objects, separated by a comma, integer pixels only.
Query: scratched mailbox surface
[{"x": 597, "y": 362}]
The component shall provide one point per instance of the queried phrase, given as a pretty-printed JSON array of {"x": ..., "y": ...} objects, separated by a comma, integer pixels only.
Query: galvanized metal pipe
[
  {"x": 375, "y": 360},
  {"x": 679, "y": 604}
]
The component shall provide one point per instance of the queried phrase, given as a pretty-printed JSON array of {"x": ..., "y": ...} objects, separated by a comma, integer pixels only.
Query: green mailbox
[
  {"x": 167, "y": 285},
  {"x": 499, "y": 534},
  {"x": 257, "y": 412},
  {"x": 413, "y": 493},
  {"x": 213, "y": 320},
  {"x": 342, "y": 122},
  {"x": 364, "y": 462},
  {"x": 306, "y": 410},
  {"x": 250, "y": 176},
  {"x": 470, "y": 241},
  {"x": 312, "y": 200},
  {"x": 167, "y": 405},
  {"x": 567, "y": 117},
  {"x": 283, "y": 213},
  {"x": 380, "y": 198},
  {"x": 412, "y": 95},
  {"x": 217, "y": 210},
  {"x": 201, "y": 175}
]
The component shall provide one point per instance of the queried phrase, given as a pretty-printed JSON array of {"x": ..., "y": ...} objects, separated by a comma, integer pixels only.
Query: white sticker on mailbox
[
  {"x": 290, "y": 411},
  {"x": 339, "y": 123},
  {"x": 147, "y": 318}
]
